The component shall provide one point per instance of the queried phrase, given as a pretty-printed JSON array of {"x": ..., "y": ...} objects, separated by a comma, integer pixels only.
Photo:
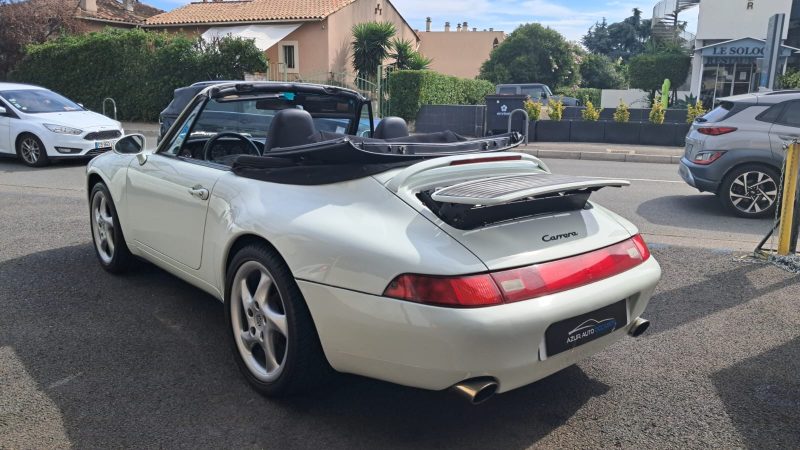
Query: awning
[{"x": 265, "y": 36}]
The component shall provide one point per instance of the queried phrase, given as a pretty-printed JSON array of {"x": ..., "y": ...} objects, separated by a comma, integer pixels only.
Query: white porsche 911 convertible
[{"x": 427, "y": 260}]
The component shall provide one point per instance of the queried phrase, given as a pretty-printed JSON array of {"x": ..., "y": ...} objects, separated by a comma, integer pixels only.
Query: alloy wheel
[
  {"x": 753, "y": 192},
  {"x": 103, "y": 227},
  {"x": 30, "y": 150},
  {"x": 258, "y": 318}
]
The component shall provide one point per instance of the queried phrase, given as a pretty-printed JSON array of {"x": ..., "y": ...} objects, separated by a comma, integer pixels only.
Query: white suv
[
  {"x": 736, "y": 151},
  {"x": 39, "y": 125}
]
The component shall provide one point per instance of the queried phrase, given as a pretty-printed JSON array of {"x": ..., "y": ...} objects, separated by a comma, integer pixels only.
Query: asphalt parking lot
[{"x": 90, "y": 360}]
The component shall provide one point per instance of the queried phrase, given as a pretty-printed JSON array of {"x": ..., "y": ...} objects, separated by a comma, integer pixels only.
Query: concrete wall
[
  {"x": 634, "y": 98},
  {"x": 457, "y": 53},
  {"x": 730, "y": 19},
  {"x": 341, "y": 23}
]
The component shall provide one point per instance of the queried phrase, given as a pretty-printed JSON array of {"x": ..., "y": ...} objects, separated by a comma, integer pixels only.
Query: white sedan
[
  {"x": 431, "y": 261},
  {"x": 38, "y": 125}
]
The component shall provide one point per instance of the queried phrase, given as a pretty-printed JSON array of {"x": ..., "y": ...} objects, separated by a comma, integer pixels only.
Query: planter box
[
  {"x": 681, "y": 130},
  {"x": 654, "y": 134},
  {"x": 623, "y": 133},
  {"x": 552, "y": 131},
  {"x": 586, "y": 131}
]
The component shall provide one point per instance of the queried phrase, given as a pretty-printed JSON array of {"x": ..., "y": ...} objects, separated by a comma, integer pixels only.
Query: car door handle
[{"x": 199, "y": 192}]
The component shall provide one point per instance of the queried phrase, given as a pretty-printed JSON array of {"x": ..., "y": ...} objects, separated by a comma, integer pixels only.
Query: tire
[
  {"x": 31, "y": 151},
  {"x": 750, "y": 191},
  {"x": 271, "y": 330},
  {"x": 107, "y": 237}
]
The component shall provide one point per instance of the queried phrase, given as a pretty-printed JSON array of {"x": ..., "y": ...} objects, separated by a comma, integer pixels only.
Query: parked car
[
  {"x": 38, "y": 125},
  {"x": 430, "y": 260},
  {"x": 736, "y": 151},
  {"x": 536, "y": 91}
]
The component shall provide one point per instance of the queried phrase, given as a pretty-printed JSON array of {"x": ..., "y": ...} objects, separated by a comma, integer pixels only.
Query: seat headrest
[
  {"x": 391, "y": 127},
  {"x": 289, "y": 128}
]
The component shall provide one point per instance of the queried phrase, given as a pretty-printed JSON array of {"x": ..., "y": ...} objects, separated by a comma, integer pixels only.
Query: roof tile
[{"x": 249, "y": 11}]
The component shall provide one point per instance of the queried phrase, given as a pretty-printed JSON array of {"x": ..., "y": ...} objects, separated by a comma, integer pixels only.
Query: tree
[
  {"x": 371, "y": 45},
  {"x": 32, "y": 22},
  {"x": 532, "y": 54},
  {"x": 648, "y": 71},
  {"x": 406, "y": 58},
  {"x": 598, "y": 71},
  {"x": 619, "y": 40}
]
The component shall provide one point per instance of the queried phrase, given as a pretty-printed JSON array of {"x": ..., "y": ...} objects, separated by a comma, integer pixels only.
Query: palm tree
[
  {"x": 406, "y": 58},
  {"x": 371, "y": 45},
  {"x": 419, "y": 62}
]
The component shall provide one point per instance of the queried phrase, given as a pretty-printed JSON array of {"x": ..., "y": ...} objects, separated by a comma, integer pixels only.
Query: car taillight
[
  {"x": 716, "y": 131},
  {"x": 706, "y": 158},
  {"x": 522, "y": 283}
]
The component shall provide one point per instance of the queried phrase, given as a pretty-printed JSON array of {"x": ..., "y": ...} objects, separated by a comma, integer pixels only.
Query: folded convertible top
[{"x": 346, "y": 158}]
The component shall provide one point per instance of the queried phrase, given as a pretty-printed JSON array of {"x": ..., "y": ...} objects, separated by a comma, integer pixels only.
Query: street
[{"x": 92, "y": 360}]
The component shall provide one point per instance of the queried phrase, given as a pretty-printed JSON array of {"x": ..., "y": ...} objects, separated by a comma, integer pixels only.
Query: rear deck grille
[{"x": 493, "y": 187}]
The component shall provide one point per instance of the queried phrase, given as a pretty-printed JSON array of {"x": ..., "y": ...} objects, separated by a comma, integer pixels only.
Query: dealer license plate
[
  {"x": 105, "y": 144},
  {"x": 570, "y": 333}
]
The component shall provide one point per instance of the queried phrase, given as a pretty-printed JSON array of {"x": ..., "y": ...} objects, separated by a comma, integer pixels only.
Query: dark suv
[{"x": 736, "y": 151}]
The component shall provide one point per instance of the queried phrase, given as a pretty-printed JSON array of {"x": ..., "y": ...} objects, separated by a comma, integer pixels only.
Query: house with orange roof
[
  {"x": 98, "y": 14},
  {"x": 304, "y": 40}
]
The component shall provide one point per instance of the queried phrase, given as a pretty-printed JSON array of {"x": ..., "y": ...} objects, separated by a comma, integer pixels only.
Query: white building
[{"x": 729, "y": 46}]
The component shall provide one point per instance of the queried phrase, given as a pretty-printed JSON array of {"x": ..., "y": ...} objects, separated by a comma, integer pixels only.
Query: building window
[
  {"x": 289, "y": 57},
  {"x": 495, "y": 43}
]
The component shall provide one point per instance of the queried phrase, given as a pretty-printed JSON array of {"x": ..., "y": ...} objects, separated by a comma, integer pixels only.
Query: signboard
[{"x": 772, "y": 50}]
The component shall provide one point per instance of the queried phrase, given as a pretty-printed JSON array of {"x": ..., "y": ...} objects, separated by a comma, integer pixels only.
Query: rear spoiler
[{"x": 510, "y": 188}]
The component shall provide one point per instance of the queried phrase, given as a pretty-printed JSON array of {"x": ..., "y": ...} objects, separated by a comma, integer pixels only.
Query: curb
[{"x": 604, "y": 156}]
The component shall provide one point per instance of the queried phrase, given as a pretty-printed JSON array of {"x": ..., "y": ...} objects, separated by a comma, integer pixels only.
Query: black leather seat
[
  {"x": 391, "y": 127},
  {"x": 289, "y": 128}
]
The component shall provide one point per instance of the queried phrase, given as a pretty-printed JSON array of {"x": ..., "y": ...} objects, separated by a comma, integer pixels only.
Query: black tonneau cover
[{"x": 335, "y": 158}]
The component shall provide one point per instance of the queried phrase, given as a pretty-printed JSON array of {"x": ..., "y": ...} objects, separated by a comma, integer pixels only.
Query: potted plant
[
  {"x": 621, "y": 130},
  {"x": 656, "y": 132},
  {"x": 553, "y": 130},
  {"x": 694, "y": 110},
  {"x": 534, "y": 110},
  {"x": 589, "y": 129}
]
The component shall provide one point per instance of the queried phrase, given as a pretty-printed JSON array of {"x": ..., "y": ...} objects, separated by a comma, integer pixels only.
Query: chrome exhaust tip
[
  {"x": 476, "y": 390},
  {"x": 638, "y": 326}
]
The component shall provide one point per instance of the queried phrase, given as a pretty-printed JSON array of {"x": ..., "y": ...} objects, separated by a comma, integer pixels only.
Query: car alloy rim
[
  {"x": 258, "y": 318},
  {"x": 103, "y": 227},
  {"x": 30, "y": 150},
  {"x": 753, "y": 192}
]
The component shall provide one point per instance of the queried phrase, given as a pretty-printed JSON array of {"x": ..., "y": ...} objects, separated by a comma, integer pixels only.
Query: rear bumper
[
  {"x": 434, "y": 348},
  {"x": 704, "y": 178}
]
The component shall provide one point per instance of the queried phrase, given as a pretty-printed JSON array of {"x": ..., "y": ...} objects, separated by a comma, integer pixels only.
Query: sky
[{"x": 572, "y": 18}]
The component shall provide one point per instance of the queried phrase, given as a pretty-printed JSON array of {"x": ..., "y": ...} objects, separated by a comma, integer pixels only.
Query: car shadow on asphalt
[
  {"x": 705, "y": 212},
  {"x": 704, "y": 291},
  {"x": 762, "y": 396},
  {"x": 10, "y": 165},
  {"x": 142, "y": 360}
]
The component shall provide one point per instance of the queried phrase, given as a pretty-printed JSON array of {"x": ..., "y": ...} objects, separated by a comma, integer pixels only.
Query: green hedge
[
  {"x": 410, "y": 89},
  {"x": 585, "y": 95},
  {"x": 138, "y": 69}
]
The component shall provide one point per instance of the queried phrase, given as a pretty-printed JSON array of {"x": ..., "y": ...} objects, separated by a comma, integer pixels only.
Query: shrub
[
  {"x": 622, "y": 114},
  {"x": 138, "y": 69},
  {"x": 585, "y": 95},
  {"x": 590, "y": 113},
  {"x": 410, "y": 89},
  {"x": 648, "y": 71},
  {"x": 533, "y": 108},
  {"x": 695, "y": 111},
  {"x": 657, "y": 113},
  {"x": 555, "y": 109},
  {"x": 790, "y": 81}
]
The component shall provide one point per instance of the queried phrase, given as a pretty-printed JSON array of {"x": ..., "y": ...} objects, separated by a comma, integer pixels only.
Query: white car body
[
  {"x": 345, "y": 242},
  {"x": 16, "y": 122}
]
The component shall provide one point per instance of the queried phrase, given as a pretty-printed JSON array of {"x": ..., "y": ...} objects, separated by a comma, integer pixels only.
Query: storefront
[{"x": 733, "y": 67}]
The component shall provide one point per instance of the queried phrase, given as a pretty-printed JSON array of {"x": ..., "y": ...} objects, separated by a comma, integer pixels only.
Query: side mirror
[
  {"x": 3, "y": 110},
  {"x": 132, "y": 144}
]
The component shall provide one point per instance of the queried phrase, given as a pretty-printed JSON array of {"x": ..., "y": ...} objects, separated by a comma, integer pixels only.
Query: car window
[
  {"x": 718, "y": 113},
  {"x": 772, "y": 113},
  {"x": 507, "y": 90},
  {"x": 791, "y": 115},
  {"x": 534, "y": 92},
  {"x": 175, "y": 145},
  {"x": 34, "y": 101}
]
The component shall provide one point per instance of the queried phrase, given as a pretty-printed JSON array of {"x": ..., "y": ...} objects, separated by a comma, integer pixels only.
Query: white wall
[
  {"x": 634, "y": 98},
  {"x": 730, "y": 19}
]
